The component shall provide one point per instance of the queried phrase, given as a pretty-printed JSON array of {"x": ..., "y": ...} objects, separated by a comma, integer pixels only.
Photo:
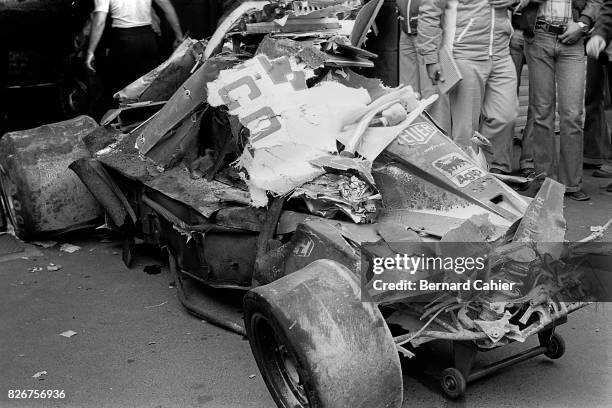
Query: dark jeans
[
  {"x": 133, "y": 53},
  {"x": 517, "y": 52},
  {"x": 557, "y": 74},
  {"x": 597, "y": 144}
]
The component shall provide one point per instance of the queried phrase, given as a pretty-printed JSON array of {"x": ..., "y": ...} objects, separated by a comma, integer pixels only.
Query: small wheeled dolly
[{"x": 454, "y": 380}]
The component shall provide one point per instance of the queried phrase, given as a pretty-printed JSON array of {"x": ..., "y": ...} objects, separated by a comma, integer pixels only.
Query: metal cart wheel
[
  {"x": 556, "y": 347},
  {"x": 453, "y": 383}
]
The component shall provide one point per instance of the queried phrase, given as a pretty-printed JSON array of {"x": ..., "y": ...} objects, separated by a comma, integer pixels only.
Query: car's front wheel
[{"x": 317, "y": 345}]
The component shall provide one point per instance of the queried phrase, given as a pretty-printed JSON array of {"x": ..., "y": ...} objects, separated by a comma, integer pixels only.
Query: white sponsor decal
[
  {"x": 458, "y": 168},
  {"x": 417, "y": 133}
]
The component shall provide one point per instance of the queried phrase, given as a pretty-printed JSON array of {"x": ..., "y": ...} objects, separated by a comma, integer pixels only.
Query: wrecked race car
[{"x": 284, "y": 175}]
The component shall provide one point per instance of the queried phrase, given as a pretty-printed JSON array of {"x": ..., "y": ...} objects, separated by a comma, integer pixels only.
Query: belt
[{"x": 557, "y": 29}]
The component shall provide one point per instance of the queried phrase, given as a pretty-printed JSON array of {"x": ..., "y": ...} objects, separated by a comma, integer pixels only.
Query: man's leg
[
  {"x": 539, "y": 51},
  {"x": 517, "y": 43},
  {"x": 408, "y": 64},
  {"x": 571, "y": 75},
  {"x": 595, "y": 122},
  {"x": 466, "y": 100},
  {"x": 499, "y": 112},
  {"x": 517, "y": 52},
  {"x": 439, "y": 110}
]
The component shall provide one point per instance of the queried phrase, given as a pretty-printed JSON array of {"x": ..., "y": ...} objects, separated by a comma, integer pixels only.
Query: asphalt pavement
[{"x": 135, "y": 346}]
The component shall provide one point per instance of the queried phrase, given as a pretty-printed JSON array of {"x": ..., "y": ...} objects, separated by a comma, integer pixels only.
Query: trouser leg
[
  {"x": 517, "y": 52},
  {"x": 571, "y": 74},
  {"x": 539, "y": 51},
  {"x": 595, "y": 127},
  {"x": 414, "y": 73},
  {"x": 409, "y": 72},
  {"x": 466, "y": 100},
  {"x": 499, "y": 112}
]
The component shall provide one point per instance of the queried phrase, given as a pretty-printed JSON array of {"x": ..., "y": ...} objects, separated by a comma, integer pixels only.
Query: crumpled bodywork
[{"x": 235, "y": 175}]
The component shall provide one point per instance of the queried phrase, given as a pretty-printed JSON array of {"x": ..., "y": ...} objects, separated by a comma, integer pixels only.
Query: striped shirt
[{"x": 556, "y": 11}]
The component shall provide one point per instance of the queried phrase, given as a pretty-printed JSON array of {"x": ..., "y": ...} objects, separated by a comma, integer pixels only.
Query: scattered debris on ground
[
  {"x": 69, "y": 248},
  {"x": 68, "y": 333}
]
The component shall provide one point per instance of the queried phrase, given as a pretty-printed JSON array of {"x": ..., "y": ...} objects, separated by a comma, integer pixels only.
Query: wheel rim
[
  {"x": 450, "y": 383},
  {"x": 553, "y": 347},
  {"x": 278, "y": 364}
]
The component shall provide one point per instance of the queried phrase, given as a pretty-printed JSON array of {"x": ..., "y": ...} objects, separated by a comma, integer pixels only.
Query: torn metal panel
[
  {"x": 206, "y": 197},
  {"x": 295, "y": 25},
  {"x": 229, "y": 22},
  {"x": 129, "y": 117},
  {"x": 100, "y": 138},
  {"x": 332, "y": 193},
  {"x": 160, "y": 83},
  {"x": 431, "y": 224},
  {"x": 403, "y": 190},
  {"x": 246, "y": 218},
  {"x": 543, "y": 221},
  {"x": 365, "y": 21},
  {"x": 189, "y": 97},
  {"x": 477, "y": 228},
  {"x": 306, "y": 52},
  {"x": 110, "y": 197},
  {"x": 352, "y": 165},
  {"x": 179, "y": 143}
]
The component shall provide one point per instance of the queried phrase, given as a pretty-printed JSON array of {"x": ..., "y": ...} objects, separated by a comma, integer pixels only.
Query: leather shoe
[
  {"x": 528, "y": 173},
  {"x": 578, "y": 195},
  {"x": 602, "y": 173}
]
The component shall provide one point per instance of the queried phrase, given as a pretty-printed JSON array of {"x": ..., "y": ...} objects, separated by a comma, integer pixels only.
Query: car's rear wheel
[{"x": 317, "y": 345}]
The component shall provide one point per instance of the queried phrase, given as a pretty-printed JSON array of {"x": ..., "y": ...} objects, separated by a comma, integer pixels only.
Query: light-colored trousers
[
  {"x": 412, "y": 72},
  {"x": 485, "y": 100}
]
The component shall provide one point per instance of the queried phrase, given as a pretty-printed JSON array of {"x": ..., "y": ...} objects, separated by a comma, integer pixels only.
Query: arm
[
  {"x": 576, "y": 30},
  {"x": 429, "y": 35},
  {"x": 590, "y": 12},
  {"x": 173, "y": 20},
  {"x": 97, "y": 28},
  {"x": 603, "y": 27},
  {"x": 602, "y": 33}
]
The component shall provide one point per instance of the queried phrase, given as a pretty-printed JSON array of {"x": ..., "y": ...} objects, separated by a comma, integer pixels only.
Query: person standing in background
[
  {"x": 411, "y": 66},
  {"x": 517, "y": 52},
  {"x": 485, "y": 99},
  {"x": 133, "y": 46},
  {"x": 597, "y": 140},
  {"x": 602, "y": 35},
  {"x": 554, "y": 47}
]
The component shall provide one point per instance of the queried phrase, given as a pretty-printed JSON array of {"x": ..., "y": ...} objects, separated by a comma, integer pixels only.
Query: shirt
[
  {"x": 126, "y": 13},
  {"x": 556, "y": 11}
]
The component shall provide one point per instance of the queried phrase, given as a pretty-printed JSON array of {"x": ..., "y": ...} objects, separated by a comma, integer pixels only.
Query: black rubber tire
[
  {"x": 453, "y": 383},
  {"x": 556, "y": 347},
  {"x": 318, "y": 346}
]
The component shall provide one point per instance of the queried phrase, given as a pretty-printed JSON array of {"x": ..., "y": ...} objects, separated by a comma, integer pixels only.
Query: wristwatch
[{"x": 583, "y": 27}]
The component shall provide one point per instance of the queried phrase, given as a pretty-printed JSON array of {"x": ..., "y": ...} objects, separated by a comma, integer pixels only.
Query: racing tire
[{"x": 318, "y": 346}]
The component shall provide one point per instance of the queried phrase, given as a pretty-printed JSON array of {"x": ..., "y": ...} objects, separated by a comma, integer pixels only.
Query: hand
[
  {"x": 572, "y": 33},
  {"x": 501, "y": 3},
  {"x": 89, "y": 60},
  {"x": 177, "y": 42},
  {"x": 595, "y": 46},
  {"x": 434, "y": 72}
]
